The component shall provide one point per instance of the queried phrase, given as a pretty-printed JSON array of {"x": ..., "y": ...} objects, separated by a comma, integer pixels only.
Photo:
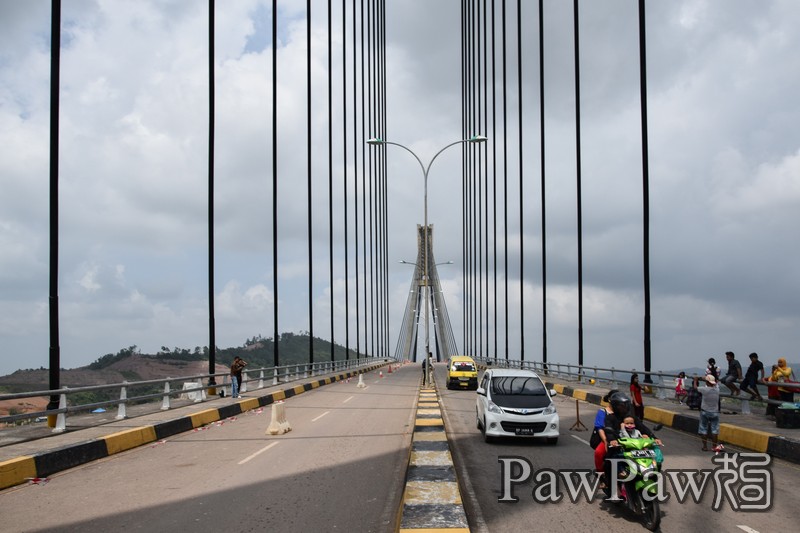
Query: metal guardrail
[
  {"x": 198, "y": 392},
  {"x": 662, "y": 382}
]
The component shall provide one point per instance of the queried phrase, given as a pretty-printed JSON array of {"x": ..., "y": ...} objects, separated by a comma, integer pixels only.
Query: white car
[{"x": 515, "y": 403}]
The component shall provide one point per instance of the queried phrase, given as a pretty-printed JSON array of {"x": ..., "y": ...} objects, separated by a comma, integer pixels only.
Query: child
[
  {"x": 628, "y": 429},
  {"x": 680, "y": 388}
]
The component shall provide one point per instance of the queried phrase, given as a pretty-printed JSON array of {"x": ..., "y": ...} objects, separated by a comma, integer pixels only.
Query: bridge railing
[
  {"x": 661, "y": 383},
  {"x": 194, "y": 387}
]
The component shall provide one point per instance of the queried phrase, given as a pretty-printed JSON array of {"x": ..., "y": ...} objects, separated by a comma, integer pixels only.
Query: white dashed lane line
[
  {"x": 259, "y": 452},
  {"x": 320, "y": 416}
]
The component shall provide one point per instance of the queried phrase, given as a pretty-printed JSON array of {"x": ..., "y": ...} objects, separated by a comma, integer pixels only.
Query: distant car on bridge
[
  {"x": 462, "y": 373},
  {"x": 516, "y": 403}
]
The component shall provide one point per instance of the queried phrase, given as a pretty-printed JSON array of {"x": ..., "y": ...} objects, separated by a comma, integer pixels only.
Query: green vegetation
[
  {"x": 258, "y": 351},
  {"x": 130, "y": 375},
  {"x": 109, "y": 359}
]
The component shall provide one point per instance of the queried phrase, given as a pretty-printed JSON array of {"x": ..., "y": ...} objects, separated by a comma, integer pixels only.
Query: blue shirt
[{"x": 600, "y": 419}]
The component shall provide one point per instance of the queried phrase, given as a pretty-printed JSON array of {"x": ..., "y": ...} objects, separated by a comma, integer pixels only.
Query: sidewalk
[
  {"x": 753, "y": 432},
  {"x": 37, "y": 459}
]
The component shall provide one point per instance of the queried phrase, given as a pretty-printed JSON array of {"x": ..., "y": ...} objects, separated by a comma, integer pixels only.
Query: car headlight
[
  {"x": 550, "y": 410},
  {"x": 492, "y": 408}
]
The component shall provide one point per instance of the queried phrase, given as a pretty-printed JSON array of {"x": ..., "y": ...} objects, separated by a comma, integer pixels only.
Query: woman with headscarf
[
  {"x": 781, "y": 375},
  {"x": 773, "y": 394}
]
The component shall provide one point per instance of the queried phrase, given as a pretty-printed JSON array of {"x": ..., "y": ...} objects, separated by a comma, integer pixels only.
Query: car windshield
[
  {"x": 463, "y": 367},
  {"x": 518, "y": 386}
]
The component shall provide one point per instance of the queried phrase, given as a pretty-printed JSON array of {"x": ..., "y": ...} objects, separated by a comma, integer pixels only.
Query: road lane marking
[
  {"x": 320, "y": 416},
  {"x": 748, "y": 529},
  {"x": 259, "y": 452},
  {"x": 348, "y": 399},
  {"x": 580, "y": 439}
]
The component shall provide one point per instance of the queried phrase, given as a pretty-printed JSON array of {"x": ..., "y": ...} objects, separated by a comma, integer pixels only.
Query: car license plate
[{"x": 523, "y": 431}]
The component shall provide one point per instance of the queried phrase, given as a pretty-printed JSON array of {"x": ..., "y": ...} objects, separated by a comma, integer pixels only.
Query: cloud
[{"x": 133, "y": 177}]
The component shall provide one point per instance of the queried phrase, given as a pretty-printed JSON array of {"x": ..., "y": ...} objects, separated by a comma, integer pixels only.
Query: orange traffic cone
[
  {"x": 380, "y": 374},
  {"x": 390, "y": 369}
]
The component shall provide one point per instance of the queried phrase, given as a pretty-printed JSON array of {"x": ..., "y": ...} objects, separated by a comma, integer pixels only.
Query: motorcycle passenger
[
  {"x": 622, "y": 408},
  {"x": 628, "y": 429},
  {"x": 600, "y": 429}
]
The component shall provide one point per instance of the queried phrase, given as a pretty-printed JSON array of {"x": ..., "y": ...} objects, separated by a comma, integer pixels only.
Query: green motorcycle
[{"x": 635, "y": 463}]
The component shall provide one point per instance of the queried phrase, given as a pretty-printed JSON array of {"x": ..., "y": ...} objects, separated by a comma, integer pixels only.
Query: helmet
[{"x": 620, "y": 404}]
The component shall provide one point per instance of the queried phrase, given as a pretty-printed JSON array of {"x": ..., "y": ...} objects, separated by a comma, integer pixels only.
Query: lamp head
[
  {"x": 478, "y": 139},
  {"x": 375, "y": 141}
]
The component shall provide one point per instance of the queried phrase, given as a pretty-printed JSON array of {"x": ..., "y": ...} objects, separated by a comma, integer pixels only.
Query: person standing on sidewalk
[
  {"x": 236, "y": 375},
  {"x": 712, "y": 368},
  {"x": 709, "y": 413},
  {"x": 636, "y": 396},
  {"x": 680, "y": 388}
]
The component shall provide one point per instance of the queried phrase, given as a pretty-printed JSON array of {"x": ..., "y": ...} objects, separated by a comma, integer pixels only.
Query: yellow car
[{"x": 462, "y": 373}]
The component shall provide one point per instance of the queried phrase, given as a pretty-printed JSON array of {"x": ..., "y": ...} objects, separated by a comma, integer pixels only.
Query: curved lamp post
[{"x": 379, "y": 142}]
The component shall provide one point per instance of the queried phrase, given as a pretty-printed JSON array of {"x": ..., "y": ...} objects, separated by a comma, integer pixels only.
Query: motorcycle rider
[{"x": 622, "y": 408}]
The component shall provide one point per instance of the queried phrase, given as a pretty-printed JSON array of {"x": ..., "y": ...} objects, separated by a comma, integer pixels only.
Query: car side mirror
[{"x": 481, "y": 391}]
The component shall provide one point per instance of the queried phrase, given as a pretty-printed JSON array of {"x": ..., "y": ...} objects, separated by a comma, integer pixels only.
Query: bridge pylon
[{"x": 444, "y": 344}]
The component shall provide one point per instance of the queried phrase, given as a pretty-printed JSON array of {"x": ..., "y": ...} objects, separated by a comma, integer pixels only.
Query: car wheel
[
  {"x": 478, "y": 420},
  {"x": 486, "y": 438}
]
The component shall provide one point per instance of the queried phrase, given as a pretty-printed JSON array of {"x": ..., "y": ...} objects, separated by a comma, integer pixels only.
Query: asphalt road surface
[
  {"x": 341, "y": 468},
  {"x": 479, "y": 470}
]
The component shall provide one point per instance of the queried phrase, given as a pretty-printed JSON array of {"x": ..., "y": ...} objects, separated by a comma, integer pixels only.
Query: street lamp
[{"x": 475, "y": 139}]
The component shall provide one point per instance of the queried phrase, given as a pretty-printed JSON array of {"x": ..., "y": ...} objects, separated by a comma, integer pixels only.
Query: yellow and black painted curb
[
  {"x": 21, "y": 469},
  {"x": 431, "y": 499},
  {"x": 746, "y": 438}
]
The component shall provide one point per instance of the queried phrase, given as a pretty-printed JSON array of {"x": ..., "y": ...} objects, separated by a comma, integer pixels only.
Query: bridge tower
[{"x": 443, "y": 342}]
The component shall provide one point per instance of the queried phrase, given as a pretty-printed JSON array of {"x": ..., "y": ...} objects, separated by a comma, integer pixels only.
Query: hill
[{"x": 129, "y": 364}]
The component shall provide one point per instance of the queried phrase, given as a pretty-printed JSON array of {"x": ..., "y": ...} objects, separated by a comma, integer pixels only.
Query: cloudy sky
[{"x": 724, "y": 153}]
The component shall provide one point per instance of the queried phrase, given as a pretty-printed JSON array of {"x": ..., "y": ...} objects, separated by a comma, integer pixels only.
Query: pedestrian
[
  {"x": 751, "y": 379},
  {"x": 424, "y": 370},
  {"x": 733, "y": 374},
  {"x": 636, "y": 396},
  {"x": 773, "y": 394},
  {"x": 709, "y": 413},
  {"x": 693, "y": 398},
  {"x": 236, "y": 375},
  {"x": 712, "y": 368},
  {"x": 784, "y": 374},
  {"x": 680, "y": 388}
]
